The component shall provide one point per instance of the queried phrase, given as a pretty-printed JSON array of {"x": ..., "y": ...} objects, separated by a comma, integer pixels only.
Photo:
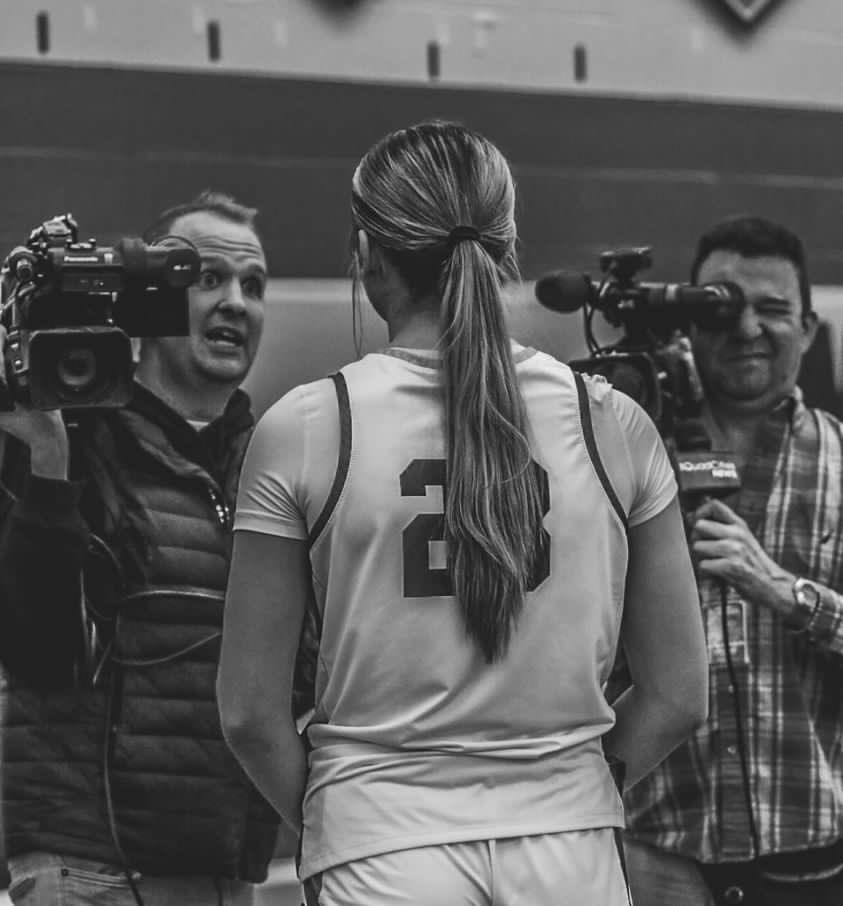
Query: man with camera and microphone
[
  {"x": 115, "y": 529},
  {"x": 750, "y": 809}
]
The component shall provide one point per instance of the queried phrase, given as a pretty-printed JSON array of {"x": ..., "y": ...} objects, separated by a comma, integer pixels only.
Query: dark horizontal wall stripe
[
  {"x": 570, "y": 220},
  {"x": 116, "y": 145},
  {"x": 205, "y": 110}
]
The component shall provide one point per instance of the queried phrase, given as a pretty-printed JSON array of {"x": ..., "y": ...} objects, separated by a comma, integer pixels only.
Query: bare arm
[
  {"x": 664, "y": 643},
  {"x": 268, "y": 588}
]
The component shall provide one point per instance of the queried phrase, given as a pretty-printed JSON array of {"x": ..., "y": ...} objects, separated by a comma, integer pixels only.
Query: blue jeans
[{"x": 46, "y": 879}]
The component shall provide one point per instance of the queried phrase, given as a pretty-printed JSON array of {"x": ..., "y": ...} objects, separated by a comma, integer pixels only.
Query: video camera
[
  {"x": 653, "y": 362},
  {"x": 70, "y": 310}
]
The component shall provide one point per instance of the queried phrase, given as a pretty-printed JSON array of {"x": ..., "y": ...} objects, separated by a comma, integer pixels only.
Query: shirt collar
[
  {"x": 432, "y": 358},
  {"x": 791, "y": 409}
]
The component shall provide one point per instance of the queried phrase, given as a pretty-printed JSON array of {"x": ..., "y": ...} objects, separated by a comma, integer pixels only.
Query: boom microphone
[
  {"x": 564, "y": 291},
  {"x": 567, "y": 291}
]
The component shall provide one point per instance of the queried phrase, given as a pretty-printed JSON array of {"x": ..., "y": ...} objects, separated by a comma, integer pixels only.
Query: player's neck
[{"x": 422, "y": 331}]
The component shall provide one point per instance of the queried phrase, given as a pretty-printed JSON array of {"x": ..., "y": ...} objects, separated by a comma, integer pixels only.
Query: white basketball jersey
[{"x": 416, "y": 739}]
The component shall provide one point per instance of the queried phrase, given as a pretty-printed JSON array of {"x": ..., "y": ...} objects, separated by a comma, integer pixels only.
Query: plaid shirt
[{"x": 789, "y": 685}]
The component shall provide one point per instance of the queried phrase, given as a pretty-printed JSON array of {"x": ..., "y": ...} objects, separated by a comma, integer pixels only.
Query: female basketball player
[{"x": 468, "y": 527}]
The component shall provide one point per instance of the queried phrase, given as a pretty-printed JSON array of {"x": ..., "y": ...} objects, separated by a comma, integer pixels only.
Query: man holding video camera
[
  {"x": 750, "y": 809},
  {"x": 114, "y": 547}
]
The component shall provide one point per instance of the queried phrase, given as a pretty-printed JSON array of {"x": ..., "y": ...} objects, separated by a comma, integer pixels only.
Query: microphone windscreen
[{"x": 563, "y": 291}]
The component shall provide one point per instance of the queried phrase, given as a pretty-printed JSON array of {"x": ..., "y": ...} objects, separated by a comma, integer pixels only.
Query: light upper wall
[{"x": 674, "y": 48}]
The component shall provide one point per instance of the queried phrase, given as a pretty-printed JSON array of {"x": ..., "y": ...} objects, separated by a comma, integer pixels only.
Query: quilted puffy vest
[{"x": 143, "y": 749}]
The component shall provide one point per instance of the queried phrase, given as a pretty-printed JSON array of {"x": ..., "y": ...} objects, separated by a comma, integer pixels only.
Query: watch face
[{"x": 806, "y": 593}]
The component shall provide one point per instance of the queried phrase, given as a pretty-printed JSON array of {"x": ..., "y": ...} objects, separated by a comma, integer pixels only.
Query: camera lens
[
  {"x": 77, "y": 369},
  {"x": 80, "y": 367}
]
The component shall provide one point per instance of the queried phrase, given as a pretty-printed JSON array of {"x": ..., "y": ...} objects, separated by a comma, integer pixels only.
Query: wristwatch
[{"x": 807, "y": 597}]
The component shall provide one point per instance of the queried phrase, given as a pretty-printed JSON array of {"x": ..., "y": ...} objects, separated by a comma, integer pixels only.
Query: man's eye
[
  {"x": 774, "y": 309},
  {"x": 253, "y": 287},
  {"x": 209, "y": 280}
]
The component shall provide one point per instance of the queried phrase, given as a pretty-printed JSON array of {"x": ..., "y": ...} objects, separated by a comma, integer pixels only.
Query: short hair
[
  {"x": 756, "y": 237},
  {"x": 208, "y": 200}
]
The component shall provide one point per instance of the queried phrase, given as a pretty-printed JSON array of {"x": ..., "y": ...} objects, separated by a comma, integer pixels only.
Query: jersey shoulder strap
[
  {"x": 343, "y": 457},
  {"x": 593, "y": 452},
  {"x": 344, "y": 454}
]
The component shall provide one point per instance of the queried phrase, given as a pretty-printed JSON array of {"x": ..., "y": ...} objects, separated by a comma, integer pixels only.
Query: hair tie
[{"x": 461, "y": 233}]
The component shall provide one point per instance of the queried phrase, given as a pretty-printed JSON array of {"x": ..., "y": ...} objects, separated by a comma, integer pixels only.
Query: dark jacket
[{"x": 114, "y": 749}]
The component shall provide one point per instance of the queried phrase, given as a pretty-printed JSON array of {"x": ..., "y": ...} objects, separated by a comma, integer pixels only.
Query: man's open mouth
[{"x": 225, "y": 336}]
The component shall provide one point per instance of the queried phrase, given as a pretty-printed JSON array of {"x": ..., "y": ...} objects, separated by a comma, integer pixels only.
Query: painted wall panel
[
  {"x": 308, "y": 334},
  {"x": 688, "y": 48}
]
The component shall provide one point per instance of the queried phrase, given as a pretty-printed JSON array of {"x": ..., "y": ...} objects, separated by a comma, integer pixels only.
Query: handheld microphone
[
  {"x": 701, "y": 471},
  {"x": 707, "y": 473}
]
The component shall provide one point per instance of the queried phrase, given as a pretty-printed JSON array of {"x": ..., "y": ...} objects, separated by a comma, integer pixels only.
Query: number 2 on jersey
[{"x": 421, "y": 580}]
